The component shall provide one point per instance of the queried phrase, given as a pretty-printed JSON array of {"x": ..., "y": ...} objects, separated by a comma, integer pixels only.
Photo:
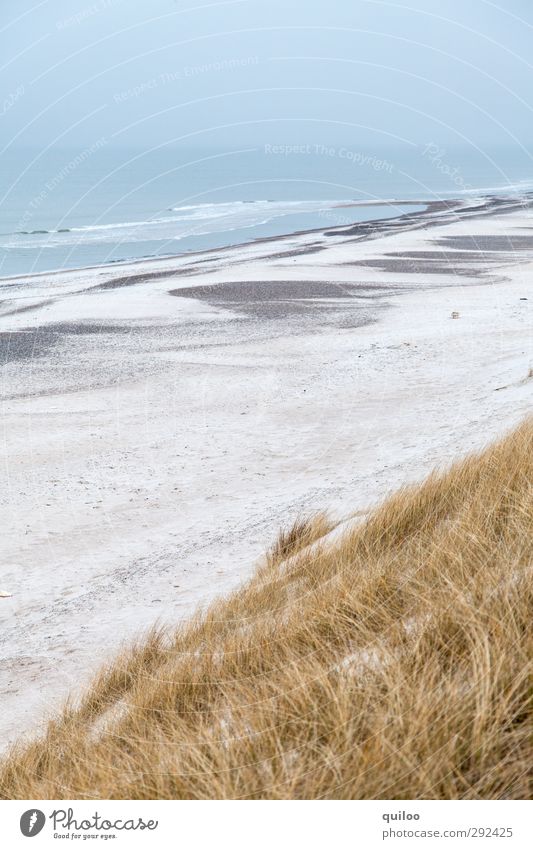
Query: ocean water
[{"x": 66, "y": 208}]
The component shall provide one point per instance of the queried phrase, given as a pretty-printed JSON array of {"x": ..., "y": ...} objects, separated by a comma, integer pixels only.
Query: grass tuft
[{"x": 303, "y": 532}]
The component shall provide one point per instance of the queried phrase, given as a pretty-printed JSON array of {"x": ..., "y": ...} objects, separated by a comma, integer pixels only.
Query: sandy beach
[{"x": 162, "y": 419}]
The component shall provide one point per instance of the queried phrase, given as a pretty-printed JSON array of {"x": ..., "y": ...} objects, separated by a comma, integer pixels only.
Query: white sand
[{"x": 145, "y": 471}]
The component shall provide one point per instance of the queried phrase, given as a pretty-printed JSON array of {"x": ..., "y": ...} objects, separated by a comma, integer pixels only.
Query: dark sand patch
[
  {"x": 416, "y": 266},
  {"x": 16, "y": 345},
  {"x": 28, "y": 308},
  {"x": 447, "y": 256},
  {"x": 30, "y": 343},
  {"x": 308, "y": 249},
  {"x": 136, "y": 279},
  {"x": 509, "y": 244},
  {"x": 268, "y": 290},
  {"x": 87, "y": 328},
  {"x": 281, "y": 298}
]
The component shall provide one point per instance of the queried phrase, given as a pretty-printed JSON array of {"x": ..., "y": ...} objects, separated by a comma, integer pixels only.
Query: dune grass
[{"x": 390, "y": 662}]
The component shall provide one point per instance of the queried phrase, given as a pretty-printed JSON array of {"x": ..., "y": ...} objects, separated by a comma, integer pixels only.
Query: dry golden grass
[{"x": 392, "y": 662}]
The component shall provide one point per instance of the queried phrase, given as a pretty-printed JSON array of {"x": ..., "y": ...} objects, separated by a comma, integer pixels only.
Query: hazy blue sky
[{"x": 147, "y": 72}]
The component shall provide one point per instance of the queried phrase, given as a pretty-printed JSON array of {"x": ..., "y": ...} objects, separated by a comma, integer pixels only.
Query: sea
[{"x": 65, "y": 208}]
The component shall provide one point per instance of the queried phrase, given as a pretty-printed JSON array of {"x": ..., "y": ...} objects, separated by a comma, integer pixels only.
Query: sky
[{"x": 215, "y": 74}]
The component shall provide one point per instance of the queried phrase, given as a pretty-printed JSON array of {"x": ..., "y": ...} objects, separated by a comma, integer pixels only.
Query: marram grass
[{"x": 393, "y": 662}]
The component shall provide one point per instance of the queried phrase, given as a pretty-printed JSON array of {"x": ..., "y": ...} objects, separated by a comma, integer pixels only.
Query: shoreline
[
  {"x": 154, "y": 442},
  {"x": 431, "y": 208},
  {"x": 200, "y": 252}
]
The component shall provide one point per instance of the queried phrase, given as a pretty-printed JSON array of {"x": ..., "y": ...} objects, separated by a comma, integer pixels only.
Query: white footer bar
[{"x": 269, "y": 825}]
